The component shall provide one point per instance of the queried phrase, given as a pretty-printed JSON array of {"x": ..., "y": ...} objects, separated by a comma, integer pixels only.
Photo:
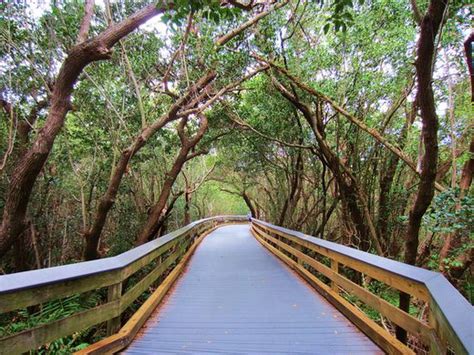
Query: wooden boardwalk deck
[{"x": 236, "y": 297}]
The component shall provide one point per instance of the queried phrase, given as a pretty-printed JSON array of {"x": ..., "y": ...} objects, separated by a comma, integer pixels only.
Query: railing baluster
[
  {"x": 114, "y": 293},
  {"x": 438, "y": 345},
  {"x": 299, "y": 248},
  {"x": 335, "y": 267}
]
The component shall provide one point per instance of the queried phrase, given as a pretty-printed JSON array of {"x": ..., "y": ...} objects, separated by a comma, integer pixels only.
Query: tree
[
  {"x": 29, "y": 166},
  {"x": 429, "y": 28}
]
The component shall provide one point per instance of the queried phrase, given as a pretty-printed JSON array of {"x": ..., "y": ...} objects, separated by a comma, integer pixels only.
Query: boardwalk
[{"x": 236, "y": 297}]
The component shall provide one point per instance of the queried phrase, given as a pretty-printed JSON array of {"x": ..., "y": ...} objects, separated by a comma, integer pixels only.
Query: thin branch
[
  {"x": 128, "y": 65},
  {"x": 223, "y": 189},
  {"x": 396, "y": 105},
  {"x": 178, "y": 51},
  {"x": 222, "y": 91},
  {"x": 416, "y": 12},
  {"x": 203, "y": 179},
  {"x": 227, "y": 37},
  {"x": 234, "y": 117},
  {"x": 86, "y": 21},
  {"x": 11, "y": 131},
  {"x": 196, "y": 154}
]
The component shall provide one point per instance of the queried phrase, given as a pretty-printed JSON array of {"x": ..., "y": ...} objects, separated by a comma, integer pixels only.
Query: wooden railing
[
  {"x": 147, "y": 264},
  {"x": 336, "y": 271}
]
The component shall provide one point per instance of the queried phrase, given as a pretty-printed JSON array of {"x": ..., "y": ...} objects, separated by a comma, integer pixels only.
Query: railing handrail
[
  {"x": 149, "y": 262},
  {"x": 395, "y": 267},
  {"x": 47, "y": 276},
  {"x": 457, "y": 312}
]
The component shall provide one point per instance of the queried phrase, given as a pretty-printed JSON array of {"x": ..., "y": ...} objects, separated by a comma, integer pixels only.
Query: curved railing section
[
  {"x": 338, "y": 272},
  {"x": 146, "y": 264}
]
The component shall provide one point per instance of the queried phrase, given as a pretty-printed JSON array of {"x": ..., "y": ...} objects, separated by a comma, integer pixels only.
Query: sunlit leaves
[{"x": 211, "y": 9}]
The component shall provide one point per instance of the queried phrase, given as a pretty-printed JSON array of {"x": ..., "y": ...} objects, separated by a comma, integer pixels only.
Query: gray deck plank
[{"x": 235, "y": 297}]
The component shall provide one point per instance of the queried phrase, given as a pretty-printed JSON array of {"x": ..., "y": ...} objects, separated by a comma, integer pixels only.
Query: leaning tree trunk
[
  {"x": 92, "y": 235},
  {"x": 28, "y": 168},
  {"x": 468, "y": 51},
  {"x": 188, "y": 191},
  {"x": 187, "y": 208},
  {"x": 430, "y": 25},
  {"x": 292, "y": 198},
  {"x": 351, "y": 191},
  {"x": 249, "y": 204},
  {"x": 158, "y": 212}
]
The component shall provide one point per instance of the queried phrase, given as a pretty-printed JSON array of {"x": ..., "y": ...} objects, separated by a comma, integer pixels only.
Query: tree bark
[
  {"x": 187, "y": 200},
  {"x": 162, "y": 228},
  {"x": 320, "y": 231},
  {"x": 468, "y": 51},
  {"x": 429, "y": 29},
  {"x": 249, "y": 204},
  {"x": 187, "y": 208},
  {"x": 291, "y": 199},
  {"x": 86, "y": 21},
  {"x": 385, "y": 184}
]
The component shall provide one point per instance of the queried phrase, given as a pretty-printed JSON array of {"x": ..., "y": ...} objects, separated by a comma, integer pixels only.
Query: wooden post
[
  {"x": 437, "y": 345},
  {"x": 114, "y": 293},
  {"x": 301, "y": 249},
  {"x": 277, "y": 237},
  {"x": 335, "y": 268}
]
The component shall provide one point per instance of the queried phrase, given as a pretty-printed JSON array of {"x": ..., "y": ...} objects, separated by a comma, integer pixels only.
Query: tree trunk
[
  {"x": 187, "y": 206},
  {"x": 158, "y": 211},
  {"x": 295, "y": 185},
  {"x": 28, "y": 168},
  {"x": 385, "y": 199},
  {"x": 430, "y": 26},
  {"x": 350, "y": 190},
  {"x": 250, "y": 205},
  {"x": 92, "y": 235},
  {"x": 468, "y": 50}
]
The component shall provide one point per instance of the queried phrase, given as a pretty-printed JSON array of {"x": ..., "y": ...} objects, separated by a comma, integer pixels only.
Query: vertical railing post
[
  {"x": 300, "y": 248},
  {"x": 277, "y": 237},
  {"x": 437, "y": 345},
  {"x": 114, "y": 293},
  {"x": 335, "y": 268}
]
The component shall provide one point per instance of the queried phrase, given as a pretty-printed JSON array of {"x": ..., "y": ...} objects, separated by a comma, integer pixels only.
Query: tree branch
[
  {"x": 227, "y": 37},
  {"x": 222, "y": 91},
  {"x": 86, "y": 21},
  {"x": 416, "y": 12},
  {"x": 372, "y": 131},
  {"x": 236, "y": 119}
]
